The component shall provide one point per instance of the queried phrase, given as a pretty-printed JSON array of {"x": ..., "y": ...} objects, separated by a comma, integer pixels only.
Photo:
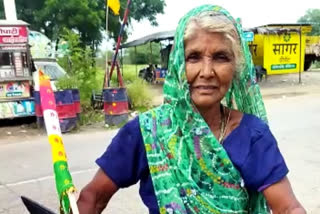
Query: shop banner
[
  {"x": 14, "y": 89},
  {"x": 13, "y": 35},
  {"x": 17, "y": 109}
]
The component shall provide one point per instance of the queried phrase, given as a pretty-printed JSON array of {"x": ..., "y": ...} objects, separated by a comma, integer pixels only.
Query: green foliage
[
  {"x": 67, "y": 82},
  {"x": 139, "y": 10},
  {"x": 143, "y": 55},
  {"x": 312, "y": 16},
  {"x": 316, "y": 64},
  {"x": 138, "y": 90},
  {"x": 129, "y": 74},
  {"x": 140, "y": 94},
  {"x": 79, "y": 65},
  {"x": 83, "y": 16},
  {"x": 90, "y": 116},
  {"x": 87, "y": 17},
  {"x": 25, "y": 10},
  {"x": 101, "y": 58}
]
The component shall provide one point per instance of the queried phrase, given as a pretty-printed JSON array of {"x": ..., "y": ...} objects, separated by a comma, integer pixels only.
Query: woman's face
[{"x": 210, "y": 66}]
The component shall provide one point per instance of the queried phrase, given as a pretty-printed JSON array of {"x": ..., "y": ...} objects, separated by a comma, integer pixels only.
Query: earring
[{"x": 212, "y": 71}]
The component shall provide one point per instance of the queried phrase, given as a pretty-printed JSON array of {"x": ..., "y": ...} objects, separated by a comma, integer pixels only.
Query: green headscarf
[{"x": 191, "y": 172}]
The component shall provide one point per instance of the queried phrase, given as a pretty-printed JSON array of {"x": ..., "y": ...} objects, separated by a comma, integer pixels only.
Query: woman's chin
[{"x": 205, "y": 102}]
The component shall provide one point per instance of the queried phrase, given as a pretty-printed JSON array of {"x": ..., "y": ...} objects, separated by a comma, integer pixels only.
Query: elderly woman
[{"x": 208, "y": 148}]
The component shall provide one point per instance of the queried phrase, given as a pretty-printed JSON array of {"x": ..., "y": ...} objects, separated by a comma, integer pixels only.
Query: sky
[{"x": 252, "y": 13}]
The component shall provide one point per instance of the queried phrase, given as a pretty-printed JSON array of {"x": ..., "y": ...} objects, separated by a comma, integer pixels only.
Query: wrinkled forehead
[
  {"x": 209, "y": 41},
  {"x": 177, "y": 54}
]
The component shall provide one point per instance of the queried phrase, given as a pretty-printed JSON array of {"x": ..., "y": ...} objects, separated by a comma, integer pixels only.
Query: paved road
[{"x": 26, "y": 167}]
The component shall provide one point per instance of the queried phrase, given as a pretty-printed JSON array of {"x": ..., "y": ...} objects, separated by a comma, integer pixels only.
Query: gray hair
[{"x": 214, "y": 22}]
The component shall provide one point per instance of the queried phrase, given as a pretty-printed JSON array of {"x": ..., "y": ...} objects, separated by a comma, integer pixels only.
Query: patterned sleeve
[
  {"x": 264, "y": 164},
  {"x": 124, "y": 161}
]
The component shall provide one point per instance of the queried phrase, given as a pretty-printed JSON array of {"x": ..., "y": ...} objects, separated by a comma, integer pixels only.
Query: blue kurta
[{"x": 251, "y": 147}]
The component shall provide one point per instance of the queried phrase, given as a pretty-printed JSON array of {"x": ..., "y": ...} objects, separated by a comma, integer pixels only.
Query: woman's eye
[
  {"x": 221, "y": 57},
  {"x": 193, "y": 58}
]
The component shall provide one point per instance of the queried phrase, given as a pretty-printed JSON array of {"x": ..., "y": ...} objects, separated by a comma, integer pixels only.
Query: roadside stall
[
  {"x": 15, "y": 71},
  {"x": 280, "y": 48},
  {"x": 155, "y": 73},
  {"x": 312, "y": 51}
]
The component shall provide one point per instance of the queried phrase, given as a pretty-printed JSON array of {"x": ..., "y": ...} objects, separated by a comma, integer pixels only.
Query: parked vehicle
[{"x": 51, "y": 68}]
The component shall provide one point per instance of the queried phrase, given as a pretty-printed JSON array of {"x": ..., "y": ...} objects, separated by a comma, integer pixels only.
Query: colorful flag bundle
[{"x": 64, "y": 185}]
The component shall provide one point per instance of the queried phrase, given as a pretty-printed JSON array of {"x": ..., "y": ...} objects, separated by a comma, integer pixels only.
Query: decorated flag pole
[
  {"x": 115, "y": 7},
  {"x": 107, "y": 37},
  {"x": 64, "y": 185},
  {"x": 125, "y": 19}
]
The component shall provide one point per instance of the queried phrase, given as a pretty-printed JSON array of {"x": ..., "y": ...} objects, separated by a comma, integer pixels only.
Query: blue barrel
[
  {"x": 65, "y": 108},
  {"x": 160, "y": 75},
  {"x": 116, "y": 106},
  {"x": 76, "y": 101},
  {"x": 38, "y": 109}
]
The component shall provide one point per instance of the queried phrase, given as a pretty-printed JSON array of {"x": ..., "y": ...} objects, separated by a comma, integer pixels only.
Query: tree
[
  {"x": 25, "y": 10},
  {"x": 312, "y": 16},
  {"x": 85, "y": 17},
  {"x": 78, "y": 65}
]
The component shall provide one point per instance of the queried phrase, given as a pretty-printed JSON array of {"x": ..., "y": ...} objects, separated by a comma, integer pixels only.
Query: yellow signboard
[
  {"x": 256, "y": 49},
  {"x": 283, "y": 54}
]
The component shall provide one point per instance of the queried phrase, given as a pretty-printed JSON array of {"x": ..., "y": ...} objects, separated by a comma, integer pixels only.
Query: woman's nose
[{"x": 207, "y": 68}]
